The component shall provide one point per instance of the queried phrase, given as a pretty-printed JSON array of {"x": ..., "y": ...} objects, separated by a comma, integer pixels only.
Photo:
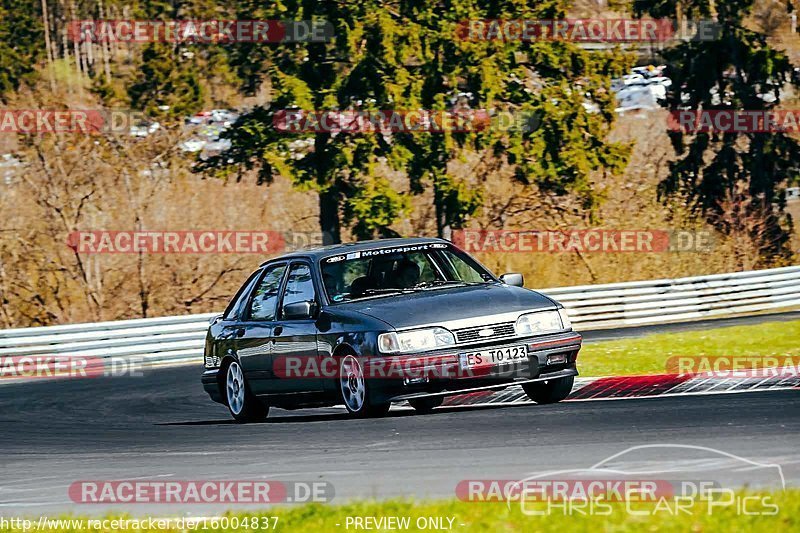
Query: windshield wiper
[
  {"x": 380, "y": 292},
  {"x": 442, "y": 283},
  {"x": 366, "y": 293},
  {"x": 384, "y": 291}
]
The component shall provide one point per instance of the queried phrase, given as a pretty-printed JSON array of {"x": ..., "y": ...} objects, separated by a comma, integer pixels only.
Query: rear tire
[
  {"x": 552, "y": 391},
  {"x": 243, "y": 404},
  {"x": 426, "y": 405},
  {"x": 354, "y": 390}
]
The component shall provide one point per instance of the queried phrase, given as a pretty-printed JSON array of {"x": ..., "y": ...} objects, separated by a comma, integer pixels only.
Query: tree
[
  {"x": 738, "y": 71},
  {"x": 166, "y": 80},
  {"x": 348, "y": 72},
  {"x": 170, "y": 74},
  {"x": 407, "y": 55},
  {"x": 21, "y": 43},
  {"x": 557, "y": 93}
]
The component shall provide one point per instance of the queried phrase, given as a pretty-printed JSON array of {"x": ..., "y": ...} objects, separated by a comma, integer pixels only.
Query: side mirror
[
  {"x": 300, "y": 310},
  {"x": 214, "y": 319},
  {"x": 513, "y": 279}
]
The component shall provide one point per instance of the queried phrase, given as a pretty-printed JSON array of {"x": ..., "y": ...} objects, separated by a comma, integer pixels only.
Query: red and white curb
[{"x": 623, "y": 387}]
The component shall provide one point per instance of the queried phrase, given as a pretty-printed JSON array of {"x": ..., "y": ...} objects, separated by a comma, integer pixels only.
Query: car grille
[{"x": 472, "y": 334}]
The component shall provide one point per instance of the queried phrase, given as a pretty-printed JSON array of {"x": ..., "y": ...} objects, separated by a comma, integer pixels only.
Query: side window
[
  {"x": 236, "y": 305},
  {"x": 299, "y": 285},
  {"x": 265, "y": 297}
]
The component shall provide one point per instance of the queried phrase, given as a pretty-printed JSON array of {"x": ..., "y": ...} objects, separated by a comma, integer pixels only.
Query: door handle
[
  {"x": 240, "y": 332},
  {"x": 278, "y": 330}
]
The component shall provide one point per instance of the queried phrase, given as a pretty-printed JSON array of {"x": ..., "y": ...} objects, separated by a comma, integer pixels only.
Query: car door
[
  {"x": 254, "y": 331},
  {"x": 294, "y": 353}
]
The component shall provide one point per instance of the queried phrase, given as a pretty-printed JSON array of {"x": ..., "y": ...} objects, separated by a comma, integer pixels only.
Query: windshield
[{"x": 386, "y": 271}]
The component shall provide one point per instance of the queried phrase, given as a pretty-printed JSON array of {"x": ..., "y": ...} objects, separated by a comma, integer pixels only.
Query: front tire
[
  {"x": 426, "y": 405},
  {"x": 355, "y": 392},
  {"x": 243, "y": 404},
  {"x": 552, "y": 391}
]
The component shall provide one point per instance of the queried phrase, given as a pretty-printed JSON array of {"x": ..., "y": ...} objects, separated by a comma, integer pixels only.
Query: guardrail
[
  {"x": 672, "y": 300},
  {"x": 180, "y": 339}
]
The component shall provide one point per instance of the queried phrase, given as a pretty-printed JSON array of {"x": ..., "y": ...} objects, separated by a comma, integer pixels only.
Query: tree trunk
[
  {"x": 46, "y": 24},
  {"x": 105, "y": 47},
  {"x": 437, "y": 204},
  {"x": 329, "y": 216},
  {"x": 330, "y": 196}
]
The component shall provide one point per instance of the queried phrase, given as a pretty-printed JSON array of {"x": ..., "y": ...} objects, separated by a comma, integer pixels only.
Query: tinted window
[
  {"x": 385, "y": 271},
  {"x": 338, "y": 277},
  {"x": 265, "y": 297},
  {"x": 463, "y": 270},
  {"x": 236, "y": 305},
  {"x": 299, "y": 286},
  {"x": 427, "y": 271}
]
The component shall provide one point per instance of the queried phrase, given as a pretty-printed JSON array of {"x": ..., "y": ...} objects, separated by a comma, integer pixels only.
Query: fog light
[
  {"x": 414, "y": 381},
  {"x": 558, "y": 359}
]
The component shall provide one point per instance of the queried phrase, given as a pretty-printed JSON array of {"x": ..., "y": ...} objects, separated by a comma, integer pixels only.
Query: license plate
[{"x": 493, "y": 357}]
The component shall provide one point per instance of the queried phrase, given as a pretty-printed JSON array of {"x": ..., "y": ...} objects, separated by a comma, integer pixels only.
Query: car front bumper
[
  {"x": 211, "y": 385},
  {"x": 440, "y": 374},
  {"x": 565, "y": 373}
]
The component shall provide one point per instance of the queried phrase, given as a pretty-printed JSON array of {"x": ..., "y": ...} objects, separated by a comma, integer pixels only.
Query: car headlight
[
  {"x": 415, "y": 341},
  {"x": 540, "y": 323}
]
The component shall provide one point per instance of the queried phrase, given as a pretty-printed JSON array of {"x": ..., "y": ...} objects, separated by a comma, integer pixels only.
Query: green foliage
[
  {"x": 730, "y": 73},
  {"x": 401, "y": 55},
  {"x": 166, "y": 81},
  {"x": 350, "y": 70},
  {"x": 21, "y": 43},
  {"x": 555, "y": 81},
  {"x": 250, "y": 61},
  {"x": 373, "y": 207},
  {"x": 408, "y": 56}
]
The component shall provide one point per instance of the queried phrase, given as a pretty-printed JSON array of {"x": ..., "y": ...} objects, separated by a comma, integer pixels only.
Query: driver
[{"x": 408, "y": 273}]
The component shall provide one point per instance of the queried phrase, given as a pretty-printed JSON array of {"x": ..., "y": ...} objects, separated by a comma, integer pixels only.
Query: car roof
[{"x": 319, "y": 252}]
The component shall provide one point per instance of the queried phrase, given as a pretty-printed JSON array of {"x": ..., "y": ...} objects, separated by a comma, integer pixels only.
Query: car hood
[{"x": 449, "y": 304}]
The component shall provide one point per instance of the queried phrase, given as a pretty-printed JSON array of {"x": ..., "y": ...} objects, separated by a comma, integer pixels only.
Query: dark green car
[{"x": 373, "y": 323}]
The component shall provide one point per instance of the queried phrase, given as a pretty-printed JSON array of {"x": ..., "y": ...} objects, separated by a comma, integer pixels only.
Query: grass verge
[
  {"x": 649, "y": 355},
  {"x": 783, "y": 506}
]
